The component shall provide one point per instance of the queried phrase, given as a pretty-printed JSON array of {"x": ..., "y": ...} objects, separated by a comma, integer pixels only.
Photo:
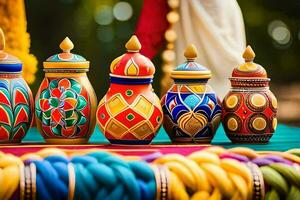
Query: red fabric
[
  {"x": 142, "y": 150},
  {"x": 152, "y": 26}
]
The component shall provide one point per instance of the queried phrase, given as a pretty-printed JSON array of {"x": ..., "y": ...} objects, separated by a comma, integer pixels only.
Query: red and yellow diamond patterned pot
[
  {"x": 250, "y": 108},
  {"x": 130, "y": 112},
  {"x": 16, "y": 101},
  {"x": 66, "y": 102}
]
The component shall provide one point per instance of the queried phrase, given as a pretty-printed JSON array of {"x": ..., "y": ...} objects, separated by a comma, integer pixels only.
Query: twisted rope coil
[
  {"x": 9, "y": 175},
  {"x": 102, "y": 176},
  {"x": 280, "y": 171},
  {"x": 203, "y": 175},
  {"x": 212, "y": 173},
  {"x": 98, "y": 175}
]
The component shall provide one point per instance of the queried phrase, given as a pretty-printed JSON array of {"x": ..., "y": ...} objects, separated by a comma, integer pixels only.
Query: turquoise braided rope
[
  {"x": 101, "y": 175},
  {"x": 52, "y": 178}
]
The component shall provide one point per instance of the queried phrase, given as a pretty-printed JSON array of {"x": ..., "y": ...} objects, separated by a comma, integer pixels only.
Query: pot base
[
  {"x": 250, "y": 138},
  {"x": 65, "y": 141},
  {"x": 191, "y": 141},
  {"x": 10, "y": 142},
  {"x": 130, "y": 142}
]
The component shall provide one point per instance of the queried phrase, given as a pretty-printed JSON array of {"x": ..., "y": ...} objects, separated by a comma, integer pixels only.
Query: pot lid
[
  {"x": 8, "y": 62},
  {"x": 191, "y": 69},
  {"x": 249, "y": 69},
  {"x": 66, "y": 59},
  {"x": 132, "y": 64}
]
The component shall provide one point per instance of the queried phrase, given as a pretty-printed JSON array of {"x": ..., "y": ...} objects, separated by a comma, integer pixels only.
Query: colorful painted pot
[
  {"x": 130, "y": 112},
  {"x": 16, "y": 101},
  {"x": 249, "y": 109},
  {"x": 66, "y": 102},
  {"x": 192, "y": 111}
]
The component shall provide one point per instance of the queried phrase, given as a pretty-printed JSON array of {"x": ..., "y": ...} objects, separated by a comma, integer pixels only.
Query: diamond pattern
[
  {"x": 124, "y": 122},
  {"x": 142, "y": 130},
  {"x": 116, "y": 104},
  {"x": 116, "y": 129},
  {"x": 129, "y": 122},
  {"x": 143, "y": 106}
]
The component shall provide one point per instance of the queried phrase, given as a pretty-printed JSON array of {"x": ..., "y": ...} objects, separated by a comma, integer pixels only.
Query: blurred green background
[
  {"x": 272, "y": 28},
  {"x": 90, "y": 24},
  {"x": 100, "y": 28}
]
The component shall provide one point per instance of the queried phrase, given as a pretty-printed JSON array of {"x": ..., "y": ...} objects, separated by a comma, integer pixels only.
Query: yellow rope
[
  {"x": 9, "y": 175},
  {"x": 203, "y": 175}
]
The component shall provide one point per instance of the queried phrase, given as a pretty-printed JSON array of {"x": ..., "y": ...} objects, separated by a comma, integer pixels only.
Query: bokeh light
[
  {"x": 281, "y": 35},
  {"x": 104, "y": 15},
  {"x": 122, "y": 11},
  {"x": 279, "y": 32}
]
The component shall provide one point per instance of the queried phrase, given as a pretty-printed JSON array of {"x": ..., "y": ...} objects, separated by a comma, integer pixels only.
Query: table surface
[{"x": 285, "y": 138}]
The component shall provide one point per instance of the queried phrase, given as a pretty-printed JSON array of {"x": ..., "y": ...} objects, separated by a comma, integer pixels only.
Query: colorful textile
[
  {"x": 152, "y": 25},
  {"x": 285, "y": 138}
]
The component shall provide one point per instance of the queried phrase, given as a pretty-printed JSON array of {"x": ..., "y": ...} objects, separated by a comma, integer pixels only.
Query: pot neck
[
  {"x": 131, "y": 81},
  {"x": 249, "y": 82},
  {"x": 10, "y": 75},
  {"x": 190, "y": 81},
  {"x": 65, "y": 74},
  {"x": 65, "y": 70}
]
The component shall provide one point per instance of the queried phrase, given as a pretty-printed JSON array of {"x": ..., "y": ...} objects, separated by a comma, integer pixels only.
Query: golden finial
[
  {"x": 191, "y": 52},
  {"x": 249, "y": 54},
  {"x": 2, "y": 40},
  {"x": 66, "y": 45},
  {"x": 133, "y": 44}
]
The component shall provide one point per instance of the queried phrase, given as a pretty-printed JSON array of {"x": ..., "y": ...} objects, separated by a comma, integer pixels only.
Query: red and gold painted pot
[
  {"x": 16, "y": 101},
  {"x": 130, "y": 112},
  {"x": 249, "y": 109},
  {"x": 65, "y": 104}
]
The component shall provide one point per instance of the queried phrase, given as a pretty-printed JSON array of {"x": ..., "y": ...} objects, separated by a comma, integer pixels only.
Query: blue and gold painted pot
[{"x": 192, "y": 110}]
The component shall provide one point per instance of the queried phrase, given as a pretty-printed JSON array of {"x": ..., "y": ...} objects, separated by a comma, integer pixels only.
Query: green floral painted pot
[{"x": 66, "y": 102}]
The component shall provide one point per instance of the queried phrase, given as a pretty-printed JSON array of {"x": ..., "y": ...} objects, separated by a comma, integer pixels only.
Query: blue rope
[
  {"x": 98, "y": 175},
  {"x": 52, "y": 178}
]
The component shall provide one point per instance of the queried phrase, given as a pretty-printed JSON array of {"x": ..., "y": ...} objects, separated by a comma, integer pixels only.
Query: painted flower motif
[{"x": 60, "y": 106}]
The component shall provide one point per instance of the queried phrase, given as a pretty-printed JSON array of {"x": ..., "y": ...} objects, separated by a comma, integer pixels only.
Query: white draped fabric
[{"x": 216, "y": 27}]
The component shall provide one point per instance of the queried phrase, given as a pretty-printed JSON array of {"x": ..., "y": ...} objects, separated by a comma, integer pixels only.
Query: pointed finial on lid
[
  {"x": 191, "y": 52},
  {"x": 133, "y": 44},
  {"x": 249, "y": 54},
  {"x": 66, "y": 45},
  {"x": 2, "y": 40}
]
